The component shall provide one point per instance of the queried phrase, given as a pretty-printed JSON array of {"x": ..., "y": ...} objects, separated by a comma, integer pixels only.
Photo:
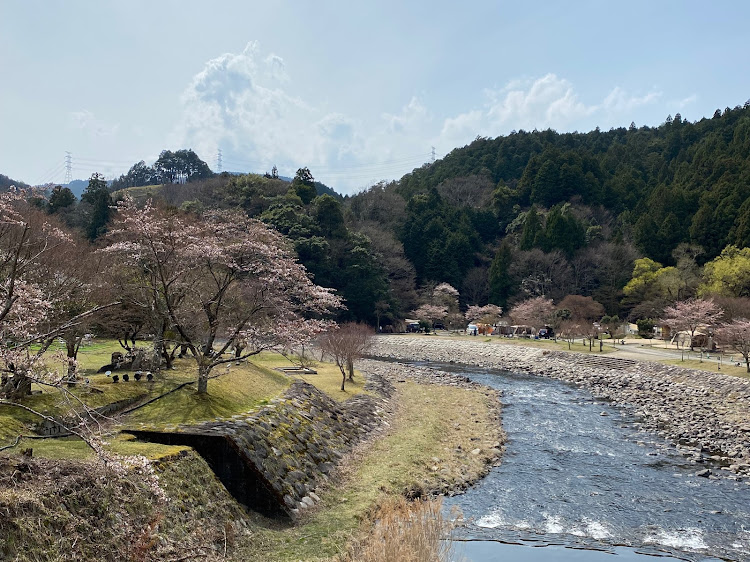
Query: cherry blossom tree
[
  {"x": 534, "y": 312},
  {"x": 736, "y": 334},
  {"x": 219, "y": 280},
  {"x": 345, "y": 344},
  {"x": 35, "y": 295},
  {"x": 431, "y": 313},
  {"x": 445, "y": 292},
  {"x": 70, "y": 276},
  {"x": 488, "y": 314},
  {"x": 691, "y": 314}
]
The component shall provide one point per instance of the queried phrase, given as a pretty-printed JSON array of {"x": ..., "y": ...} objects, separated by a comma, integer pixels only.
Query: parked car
[{"x": 546, "y": 333}]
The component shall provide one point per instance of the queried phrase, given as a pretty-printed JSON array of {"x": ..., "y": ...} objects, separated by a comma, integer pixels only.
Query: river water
[{"x": 580, "y": 479}]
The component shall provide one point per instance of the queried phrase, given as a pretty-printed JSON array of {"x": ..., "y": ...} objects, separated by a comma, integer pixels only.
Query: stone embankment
[
  {"x": 706, "y": 414},
  {"x": 273, "y": 460}
]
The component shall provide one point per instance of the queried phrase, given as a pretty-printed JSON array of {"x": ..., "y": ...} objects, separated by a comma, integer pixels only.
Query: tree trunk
[
  {"x": 168, "y": 357},
  {"x": 747, "y": 363},
  {"x": 343, "y": 378},
  {"x": 203, "y": 372},
  {"x": 350, "y": 367},
  {"x": 72, "y": 348},
  {"x": 158, "y": 350}
]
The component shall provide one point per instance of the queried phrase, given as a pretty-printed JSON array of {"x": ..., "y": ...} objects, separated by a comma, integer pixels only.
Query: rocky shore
[{"x": 706, "y": 414}]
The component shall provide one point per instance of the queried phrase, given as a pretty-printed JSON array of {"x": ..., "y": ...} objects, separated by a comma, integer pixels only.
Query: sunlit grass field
[{"x": 237, "y": 388}]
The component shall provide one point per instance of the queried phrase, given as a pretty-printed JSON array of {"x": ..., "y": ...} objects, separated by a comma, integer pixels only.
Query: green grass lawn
[
  {"x": 237, "y": 389},
  {"x": 712, "y": 365},
  {"x": 72, "y": 448},
  {"x": 327, "y": 378}
]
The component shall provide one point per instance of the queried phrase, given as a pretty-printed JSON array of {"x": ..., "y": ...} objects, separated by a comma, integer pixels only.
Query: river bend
[{"x": 580, "y": 473}]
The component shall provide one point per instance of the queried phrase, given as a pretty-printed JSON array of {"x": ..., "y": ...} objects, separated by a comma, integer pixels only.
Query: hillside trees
[
  {"x": 728, "y": 274},
  {"x": 174, "y": 166},
  {"x": 336, "y": 256},
  {"x": 97, "y": 197},
  {"x": 171, "y": 166},
  {"x": 219, "y": 280},
  {"x": 139, "y": 174},
  {"x": 678, "y": 183},
  {"x": 60, "y": 198},
  {"x": 500, "y": 279},
  {"x": 400, "y": 277},
  {"x": 303, "y": 185},
  {"x": 439, "y": 240}
]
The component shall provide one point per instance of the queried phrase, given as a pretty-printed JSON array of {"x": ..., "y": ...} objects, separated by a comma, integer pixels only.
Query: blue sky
[{"x": 357, "y": 91}]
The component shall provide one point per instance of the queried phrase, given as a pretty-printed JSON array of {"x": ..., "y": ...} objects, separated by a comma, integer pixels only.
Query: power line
[{"x": 51, "y": 173}]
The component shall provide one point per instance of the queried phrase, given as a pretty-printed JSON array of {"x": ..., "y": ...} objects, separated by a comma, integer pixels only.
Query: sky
[{"x": 358, "y": 92}]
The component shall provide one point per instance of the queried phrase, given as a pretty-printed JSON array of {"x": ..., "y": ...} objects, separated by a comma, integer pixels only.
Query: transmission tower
[
  {"x": 432, "y": 161},
  {"x": 68, "y": 167},
  {"x": 218, "y": 161}
]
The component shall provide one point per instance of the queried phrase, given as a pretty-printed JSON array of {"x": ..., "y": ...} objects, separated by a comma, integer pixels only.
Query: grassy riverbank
[
  {"x": 427, "y": 448},
  {"x": 439, "y": 438}
]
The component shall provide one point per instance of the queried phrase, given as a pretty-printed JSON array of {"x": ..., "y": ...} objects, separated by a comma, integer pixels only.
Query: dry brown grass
[{"x": 407, "y": 531}]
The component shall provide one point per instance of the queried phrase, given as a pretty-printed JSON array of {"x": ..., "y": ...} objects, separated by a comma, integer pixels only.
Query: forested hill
[
  {"x": 558, "y": 206},
  {"x": 680, "y": 182},
  {"x": 628, "y": 217},
  {"x": 6, "y": 182}
]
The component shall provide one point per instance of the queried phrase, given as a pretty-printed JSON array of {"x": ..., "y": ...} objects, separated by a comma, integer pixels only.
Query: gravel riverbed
[{"x": 706, "y": 414}]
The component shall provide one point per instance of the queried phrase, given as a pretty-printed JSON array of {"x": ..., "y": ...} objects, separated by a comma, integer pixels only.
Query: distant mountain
[
  {"x": 323, "y": 189},
  {"x": 6, "y": 182},
  {"x": 78, "y": 187}
]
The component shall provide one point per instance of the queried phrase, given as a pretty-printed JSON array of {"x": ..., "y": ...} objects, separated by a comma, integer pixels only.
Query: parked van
[{"x": 546, "y": 333}]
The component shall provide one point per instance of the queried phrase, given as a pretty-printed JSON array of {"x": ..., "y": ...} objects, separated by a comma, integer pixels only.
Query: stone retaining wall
[
  {"x": 292, "y": 445},
  {"x": 707, "y": 414}
]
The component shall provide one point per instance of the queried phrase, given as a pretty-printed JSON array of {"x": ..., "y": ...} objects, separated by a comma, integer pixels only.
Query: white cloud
[
  {"x": 683, "y": 103},
  {"x": 88, "y": 122},
  {"x": 546, "y": 102},
  {"x": 619, "y": 101},
  {"x": 238, "y": 103},
  {"x": 243, "y": 103}
]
